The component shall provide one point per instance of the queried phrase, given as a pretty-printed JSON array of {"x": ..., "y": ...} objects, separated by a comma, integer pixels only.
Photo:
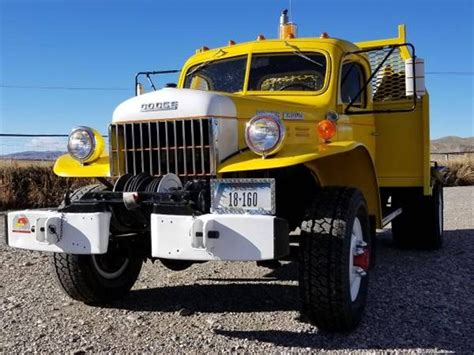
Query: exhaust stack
[{"x": 287, "y": 29}]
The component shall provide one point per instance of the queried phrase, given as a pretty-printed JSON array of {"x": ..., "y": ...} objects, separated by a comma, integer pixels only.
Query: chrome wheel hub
[{"x": 109, "y": 268}]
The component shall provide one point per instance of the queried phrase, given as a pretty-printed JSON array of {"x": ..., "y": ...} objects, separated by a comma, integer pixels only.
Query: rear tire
[
  {"x": 96, "y": 279},
  {"x": 333, "y": 287},
  {"x": 420, "y": 226}
]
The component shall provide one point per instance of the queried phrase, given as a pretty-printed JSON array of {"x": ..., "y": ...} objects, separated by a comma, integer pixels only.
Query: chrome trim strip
[
  {"x": 193, "y": 145},
  {"x": 167, "y": 149},
  {"x": 203, "y": 172},
  {"x": 125, "y": 150},
  {"x": 133, "y": 150},
  {"x": 117, "y": 145},
  {"x": 142, "y": 147},
  {"x": 159, "y": 146},
  {"x": 213, "y": 151},
  {"x": 176, "y": 170},
  {"x": 183, "y": 126},
  {"x": 111, "y": 161},
  {"x": 150, "y": 152}
]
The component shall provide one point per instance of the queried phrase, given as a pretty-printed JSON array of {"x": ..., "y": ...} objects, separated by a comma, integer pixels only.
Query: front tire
[
  {"x": 96, "y": 279},
  {"x": 334, "y": 259}
]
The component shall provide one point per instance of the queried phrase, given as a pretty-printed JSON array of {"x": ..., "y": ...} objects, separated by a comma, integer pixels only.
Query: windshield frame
[
  {"x": 249, "y": 57},
  {"x": 208, "y": 62},
  {"x": 289, "y": 51}
]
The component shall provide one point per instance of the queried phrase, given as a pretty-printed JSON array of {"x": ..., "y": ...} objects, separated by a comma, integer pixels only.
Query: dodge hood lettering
[
  {"x": 160, "y": 106},
  {"x": 171, "y": 103}
]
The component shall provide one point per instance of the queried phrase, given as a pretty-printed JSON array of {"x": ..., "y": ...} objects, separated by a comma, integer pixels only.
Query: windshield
[
  {"x": 294, "y": 72},
  {"x": 226, "y": 75},
  {"x": 268, "y": 72}
]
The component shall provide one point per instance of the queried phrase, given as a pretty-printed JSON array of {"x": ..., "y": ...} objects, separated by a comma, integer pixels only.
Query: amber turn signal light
[{"x": 326, "y": 129}]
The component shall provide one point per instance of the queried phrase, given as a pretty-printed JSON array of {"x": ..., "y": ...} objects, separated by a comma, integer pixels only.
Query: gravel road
[{"x": 418, "y": 301}]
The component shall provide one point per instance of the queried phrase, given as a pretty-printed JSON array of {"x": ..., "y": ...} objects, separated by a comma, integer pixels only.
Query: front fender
[
  {"x": 291, "y": 155},
  {"x": 344, "y": 163},
  {"x": 67, "y": 166}
]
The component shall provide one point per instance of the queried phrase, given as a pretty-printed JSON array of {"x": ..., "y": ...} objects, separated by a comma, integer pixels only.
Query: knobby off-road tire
[
  {"x": 96, "y": 279},
  {"x": 326, "y": 260},
  {"x": 420, "y": 226}
]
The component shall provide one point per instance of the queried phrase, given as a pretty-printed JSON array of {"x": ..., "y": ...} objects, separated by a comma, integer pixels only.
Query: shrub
[
  {"x": 459, "y": 172},
  {"x": 33, "y": 187}
]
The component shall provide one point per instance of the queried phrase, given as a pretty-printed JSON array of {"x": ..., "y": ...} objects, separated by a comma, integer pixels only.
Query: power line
[
  {"x": 40, "y": 87},
  {"x": 32, "y": 135},
  {"x": 44, "y": 87},
  {"x": 36, "y": 135},
  {"x": 466, "y": 73}
]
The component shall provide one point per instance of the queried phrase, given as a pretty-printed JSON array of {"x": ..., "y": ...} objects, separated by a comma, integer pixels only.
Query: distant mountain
[
  {"x": 32, "y": 155},
  {"x": 449, "y": 144},
  {"x": 452, "y": 144}
]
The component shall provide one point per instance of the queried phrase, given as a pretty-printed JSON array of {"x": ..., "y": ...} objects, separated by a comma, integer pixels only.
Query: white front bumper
[
  {"x": 72, "y": 233},
  {"x": 198, "y": 238},
  {"x": 218, "y": 237}
]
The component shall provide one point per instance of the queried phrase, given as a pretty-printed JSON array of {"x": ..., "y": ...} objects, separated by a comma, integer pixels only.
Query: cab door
[{"x": 357, "y": 123}]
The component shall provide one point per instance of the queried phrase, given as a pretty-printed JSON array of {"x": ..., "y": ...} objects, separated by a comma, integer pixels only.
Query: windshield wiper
[
  {"x": 297, "y": 51},
  {"x": 206, "y": 63}
]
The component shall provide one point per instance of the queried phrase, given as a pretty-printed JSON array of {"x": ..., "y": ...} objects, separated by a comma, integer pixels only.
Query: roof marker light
[
  {"x": 231, "y": 42},
  {"x": 324, "y": 35},
  {"x": 261, "y": 37},
  {"x": 202, "y": 49}
]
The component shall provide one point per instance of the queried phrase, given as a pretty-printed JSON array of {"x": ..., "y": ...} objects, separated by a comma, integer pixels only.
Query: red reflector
[{"x": 363, "y": 260}]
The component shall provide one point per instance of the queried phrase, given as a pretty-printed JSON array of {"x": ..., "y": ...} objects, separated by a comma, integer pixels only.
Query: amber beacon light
[{"x": 287, "y": 29}]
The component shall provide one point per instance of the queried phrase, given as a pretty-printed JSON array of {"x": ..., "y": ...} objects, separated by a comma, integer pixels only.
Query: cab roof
[{"x": 274, "y": 45}]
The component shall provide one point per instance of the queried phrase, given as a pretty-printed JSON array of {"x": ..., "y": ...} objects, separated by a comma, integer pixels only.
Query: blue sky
[{"x": 103, "y": 43}]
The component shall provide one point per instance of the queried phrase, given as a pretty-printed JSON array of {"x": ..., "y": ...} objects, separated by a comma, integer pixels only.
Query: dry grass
[
  {"x": 24, "y": 163},
  {"x": 33, "y": 187},
  {"x": 32, "y": 184},
  {"x": 458, "y": 172}
]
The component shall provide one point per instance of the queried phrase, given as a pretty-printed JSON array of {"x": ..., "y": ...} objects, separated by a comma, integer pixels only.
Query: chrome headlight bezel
[
  {"x": 88, "y": 133},
  {"x": 279, "y": 134}
]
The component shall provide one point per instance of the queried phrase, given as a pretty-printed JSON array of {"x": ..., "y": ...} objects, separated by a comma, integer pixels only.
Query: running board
[{"x": 389, "y": 218}]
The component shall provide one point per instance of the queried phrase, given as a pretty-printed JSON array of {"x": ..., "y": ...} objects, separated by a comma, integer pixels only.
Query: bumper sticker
[{"x": 21, "y": 224}]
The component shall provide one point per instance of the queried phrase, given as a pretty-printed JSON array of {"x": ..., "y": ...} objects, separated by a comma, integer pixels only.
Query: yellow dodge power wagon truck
[{"x": 306, "y": 142}]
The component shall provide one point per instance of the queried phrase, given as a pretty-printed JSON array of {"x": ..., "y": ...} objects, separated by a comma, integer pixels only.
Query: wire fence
[
  {"x": 46, "y": 147},
  {"x": 39, "y": 147},
  {"x": 449, "y": 156}
]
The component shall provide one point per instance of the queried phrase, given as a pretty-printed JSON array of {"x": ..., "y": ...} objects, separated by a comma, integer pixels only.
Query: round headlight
[
  {"x": 82, "y": 143},
  {"x": 265, "y": 134}
]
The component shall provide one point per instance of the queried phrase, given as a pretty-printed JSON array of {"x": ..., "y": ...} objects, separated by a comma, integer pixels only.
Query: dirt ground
[{"x": 418, "y": 302}]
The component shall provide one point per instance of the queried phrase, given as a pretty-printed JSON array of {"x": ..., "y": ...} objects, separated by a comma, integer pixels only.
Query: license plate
[{"x": 256, "y": 196}]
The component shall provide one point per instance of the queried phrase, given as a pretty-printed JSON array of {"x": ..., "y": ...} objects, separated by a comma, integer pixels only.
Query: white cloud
[{"x": 46, "y": 143}]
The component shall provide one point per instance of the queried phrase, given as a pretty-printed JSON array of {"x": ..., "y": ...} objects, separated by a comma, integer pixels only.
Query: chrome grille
[{"x": 182, "y": 147}]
